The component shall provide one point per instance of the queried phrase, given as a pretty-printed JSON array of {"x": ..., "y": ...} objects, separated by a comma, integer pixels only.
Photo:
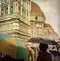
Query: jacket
[{"x": 44, "y": 56}]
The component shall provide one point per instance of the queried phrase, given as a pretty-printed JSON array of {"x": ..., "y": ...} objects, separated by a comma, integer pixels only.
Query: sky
[{"x": 51, "y": 12}]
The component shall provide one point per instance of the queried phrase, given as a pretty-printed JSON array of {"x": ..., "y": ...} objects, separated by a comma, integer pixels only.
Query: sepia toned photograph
[{"x": 30, "y": 30}]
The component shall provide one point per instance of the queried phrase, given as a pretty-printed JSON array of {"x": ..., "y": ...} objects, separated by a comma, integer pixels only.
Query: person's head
[{"x": 43, "y": 47}]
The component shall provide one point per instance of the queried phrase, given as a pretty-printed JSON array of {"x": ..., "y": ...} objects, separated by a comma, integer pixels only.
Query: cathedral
[{"x": 24, "y": 19}]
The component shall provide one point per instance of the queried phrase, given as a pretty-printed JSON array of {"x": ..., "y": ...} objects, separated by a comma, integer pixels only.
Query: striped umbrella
[{"x": 13, "y": 47}]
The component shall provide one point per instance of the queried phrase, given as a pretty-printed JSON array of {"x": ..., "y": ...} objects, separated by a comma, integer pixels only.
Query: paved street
[{"x": 55, "y": 58}]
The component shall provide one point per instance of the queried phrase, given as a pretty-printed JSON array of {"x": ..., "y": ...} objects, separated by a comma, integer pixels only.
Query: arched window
[
  {"x": 6, "y": 10},
  {"x": 11, "y": 9},
  {"x": 36, "y": 17},
  {"x": 2, "y": 11},
  {"x": 6, "y": 1},
  {"x": 3, "y": 1},
  {"x": 11, "y": 0}
]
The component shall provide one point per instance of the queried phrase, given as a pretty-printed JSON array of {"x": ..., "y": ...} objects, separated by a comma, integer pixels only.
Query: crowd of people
[{"x": 42, "y": 54}]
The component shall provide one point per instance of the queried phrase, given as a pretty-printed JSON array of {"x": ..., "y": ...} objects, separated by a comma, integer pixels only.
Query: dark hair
[{"x": 43, "y": 47}]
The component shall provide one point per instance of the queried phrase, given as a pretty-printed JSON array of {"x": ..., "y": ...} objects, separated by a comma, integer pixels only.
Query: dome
[
  {"x": 47, "y": 25},
  {"x": 35, "y": 9}
]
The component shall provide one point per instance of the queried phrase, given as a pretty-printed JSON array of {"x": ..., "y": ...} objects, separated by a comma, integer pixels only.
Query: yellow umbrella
[{"x": 13, "y": 47}]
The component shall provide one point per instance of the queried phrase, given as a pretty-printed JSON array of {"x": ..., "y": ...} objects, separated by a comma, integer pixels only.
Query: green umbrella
[
  {"x": 13, "y": 47},
  {"x": 59, "y": 49}
]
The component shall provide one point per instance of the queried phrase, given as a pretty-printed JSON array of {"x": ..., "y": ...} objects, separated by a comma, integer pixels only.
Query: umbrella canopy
[
  {"x": 54, "y": 42},
  {"x": 42, "y": 40},
  {"x": 13, "y": 47},
  {"x": 59, "y": 48}
]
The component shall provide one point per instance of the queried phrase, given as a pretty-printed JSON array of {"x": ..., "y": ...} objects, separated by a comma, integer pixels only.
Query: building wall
[
  {"x": 51, "y": 10},
  {"x": 51, "y": 34},
  {"x": 59, "y": 15},
  {"x": 43, "y": 32},
  {"x": 14, "y": 18},
  {"x": 33, "y": 29},
  {"x": 35, "y": 17}
]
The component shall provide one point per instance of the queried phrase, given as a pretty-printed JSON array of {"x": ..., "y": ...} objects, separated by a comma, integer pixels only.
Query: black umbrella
[
  {"x": 54, "y": 42},
  {"x": 42, "y": 40}
]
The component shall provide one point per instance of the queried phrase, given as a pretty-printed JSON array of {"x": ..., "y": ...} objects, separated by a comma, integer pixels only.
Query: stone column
[
  {"x": 21, "y": 6},
  {"x": 0, "y": 7},
  {"x": 15, "y": 6},
  {"x": 9, "y": 8},
  {"x": 4, "y": 11},
  {"x": 26, "y": 11},
  {"x": 0, "y": 10}
]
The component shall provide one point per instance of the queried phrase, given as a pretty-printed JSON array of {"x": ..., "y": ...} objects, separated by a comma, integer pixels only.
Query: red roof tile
[
  {"x": 35, "y": 8},
  {"x": 47, "y": 25}
]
